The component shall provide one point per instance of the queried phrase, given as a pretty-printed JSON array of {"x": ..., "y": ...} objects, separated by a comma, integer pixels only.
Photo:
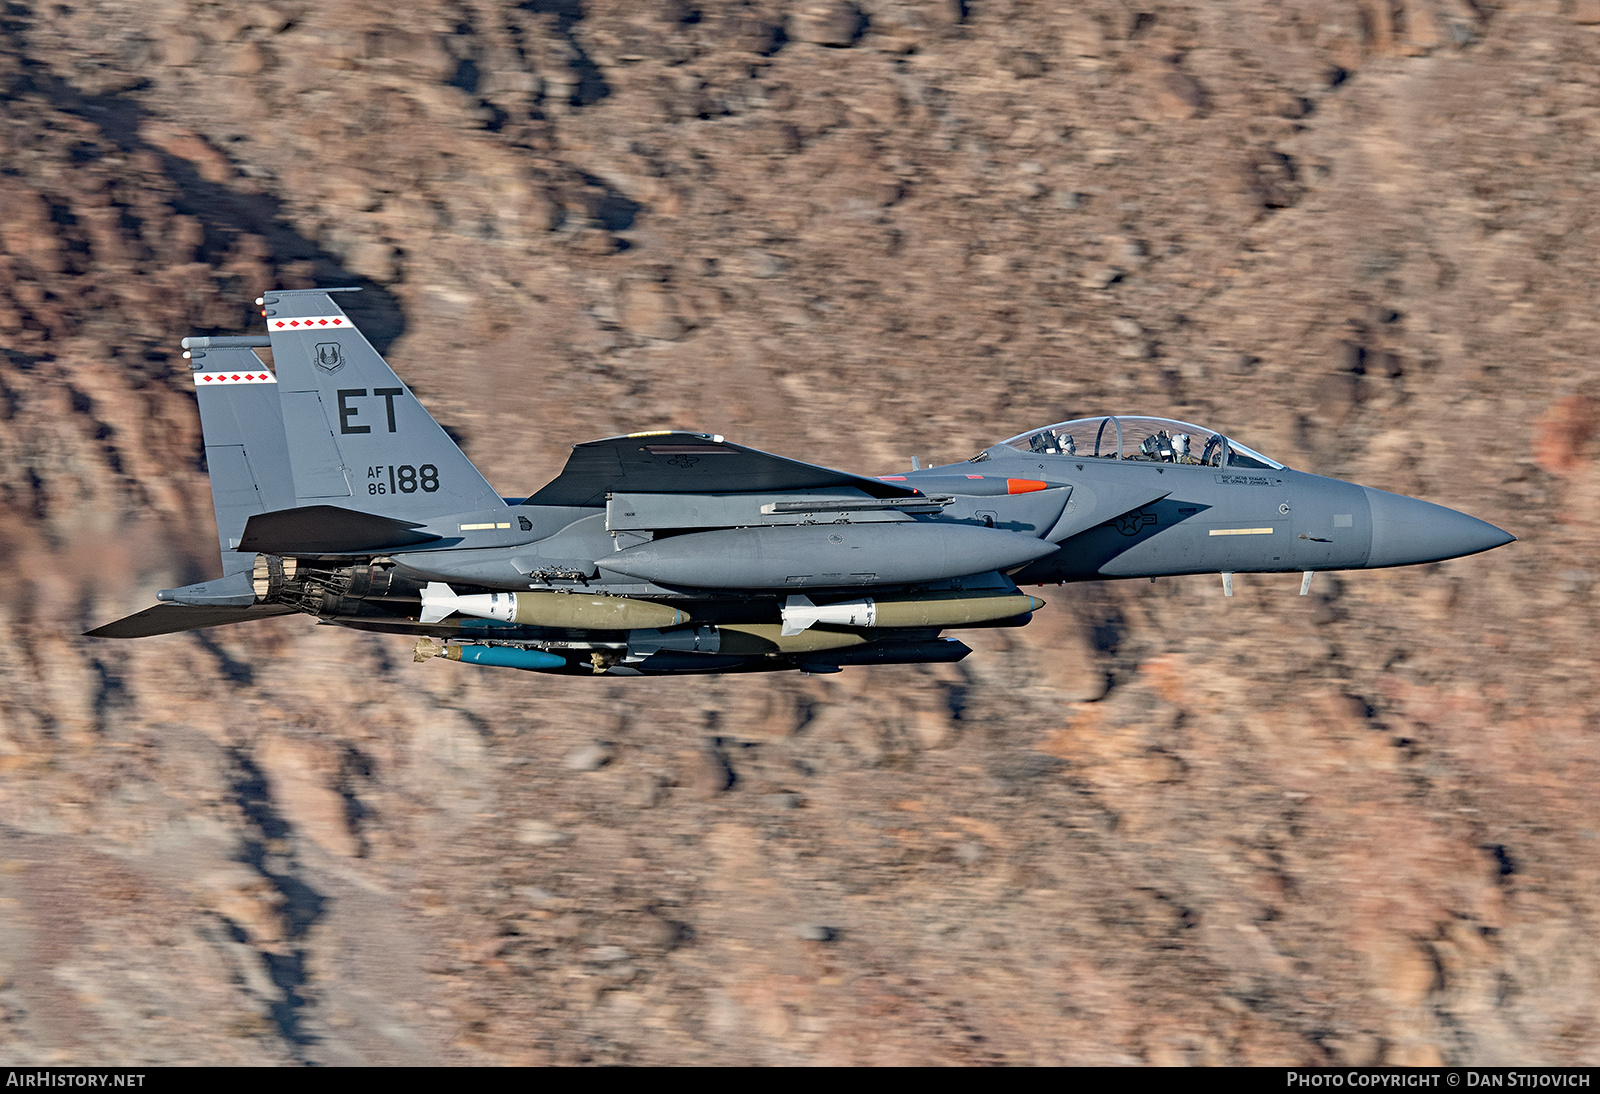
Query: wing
[
  {"x": 689, "y": 463},
  {"x": 172, "y": 618}
]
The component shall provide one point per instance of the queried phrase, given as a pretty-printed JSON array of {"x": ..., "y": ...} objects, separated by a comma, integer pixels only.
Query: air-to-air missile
[
  {"x": 337, "y": 495},
  {"x": 551, "y": 609},
  {"x": 934, "y": 609}
]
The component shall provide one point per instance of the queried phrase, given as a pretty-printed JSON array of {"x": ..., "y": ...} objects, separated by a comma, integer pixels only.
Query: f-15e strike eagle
[{"x": 338, "y": 495}]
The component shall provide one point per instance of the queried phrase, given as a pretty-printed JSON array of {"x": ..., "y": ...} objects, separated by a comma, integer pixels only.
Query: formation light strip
[
  {"x": 212, "y": 379},
  {"x": 309, "y": 322}
]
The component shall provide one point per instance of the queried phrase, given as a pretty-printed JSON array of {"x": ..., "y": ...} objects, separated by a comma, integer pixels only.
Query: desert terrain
[{"x": 1154, "y": 826}]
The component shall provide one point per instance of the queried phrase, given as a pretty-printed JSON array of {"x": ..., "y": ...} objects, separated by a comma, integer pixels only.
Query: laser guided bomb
[{"x": 337, "y": 495}]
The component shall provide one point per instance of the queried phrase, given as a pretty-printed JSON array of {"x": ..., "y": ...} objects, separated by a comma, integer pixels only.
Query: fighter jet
[{"x": 337, "y": 495}]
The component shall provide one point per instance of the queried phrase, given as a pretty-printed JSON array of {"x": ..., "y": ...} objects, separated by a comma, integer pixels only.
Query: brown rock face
[
  {"x": 1564, "y": 431},
  {"x": 835, "y": 23},
  {"x": 1156, "y": 825},
  {"x": 649, "y": 311}
]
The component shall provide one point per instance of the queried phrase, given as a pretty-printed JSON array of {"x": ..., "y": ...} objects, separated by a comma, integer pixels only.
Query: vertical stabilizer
[
  {"x": 358, "y": 438},
  {"x": 246, "y": 452}
]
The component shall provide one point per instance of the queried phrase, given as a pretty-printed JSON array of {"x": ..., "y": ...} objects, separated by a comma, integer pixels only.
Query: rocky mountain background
[{"x": 1155, "y": 826}]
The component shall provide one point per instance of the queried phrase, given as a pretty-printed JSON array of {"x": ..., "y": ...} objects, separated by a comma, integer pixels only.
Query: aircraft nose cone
[{"x": 1409, "y": 530}]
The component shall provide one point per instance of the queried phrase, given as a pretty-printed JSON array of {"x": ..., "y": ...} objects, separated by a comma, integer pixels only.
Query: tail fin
[
  {"x": 245, "y": 446},
  {"x": 358, "y": 438}
]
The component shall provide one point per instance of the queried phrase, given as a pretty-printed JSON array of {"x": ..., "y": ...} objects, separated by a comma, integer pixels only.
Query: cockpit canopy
[{"x": 1152, "y": 440}]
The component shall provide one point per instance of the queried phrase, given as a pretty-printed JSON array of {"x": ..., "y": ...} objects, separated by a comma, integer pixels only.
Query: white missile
[
  {"x": 440, "y": 600},
  {"x": 943, "y": 609},
  {"x": 799, "y": 613},
  {"x": 550, "y": 609}
]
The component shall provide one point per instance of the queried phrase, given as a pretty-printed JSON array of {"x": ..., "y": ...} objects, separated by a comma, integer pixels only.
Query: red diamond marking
[
  {"x": 336, "y": 322},
  {"x": 235, "y": 375},
  {"x": 207, "y": 379},
  {"x": 324, "y": 322},
  {"x": 280, "y": 322}
]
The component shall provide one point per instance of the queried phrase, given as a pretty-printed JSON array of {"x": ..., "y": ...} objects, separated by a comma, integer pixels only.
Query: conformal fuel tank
[{"x": 825, "y": 555}]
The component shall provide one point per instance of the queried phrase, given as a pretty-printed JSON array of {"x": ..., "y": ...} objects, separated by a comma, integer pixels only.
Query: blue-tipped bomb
[{"x": 506, "y": 657}]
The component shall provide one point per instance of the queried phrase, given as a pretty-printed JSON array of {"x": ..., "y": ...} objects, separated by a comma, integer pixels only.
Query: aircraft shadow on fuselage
[
  {"x": 990, "y": 519},
  {"x": 1083, "y": 556}
]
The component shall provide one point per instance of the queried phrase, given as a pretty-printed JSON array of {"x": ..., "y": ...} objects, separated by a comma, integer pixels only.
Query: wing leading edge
[{"x": 689, "y": 463}]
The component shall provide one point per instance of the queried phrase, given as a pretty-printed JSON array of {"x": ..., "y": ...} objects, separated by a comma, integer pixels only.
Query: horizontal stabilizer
[
  {"x": 328, "y": 530},
  {"x": 172, "y": 618},
  {"x": 690, "y": 463}
]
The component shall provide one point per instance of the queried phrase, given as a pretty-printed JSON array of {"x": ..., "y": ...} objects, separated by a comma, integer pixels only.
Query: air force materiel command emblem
[{"x": 330, "y": 358}]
